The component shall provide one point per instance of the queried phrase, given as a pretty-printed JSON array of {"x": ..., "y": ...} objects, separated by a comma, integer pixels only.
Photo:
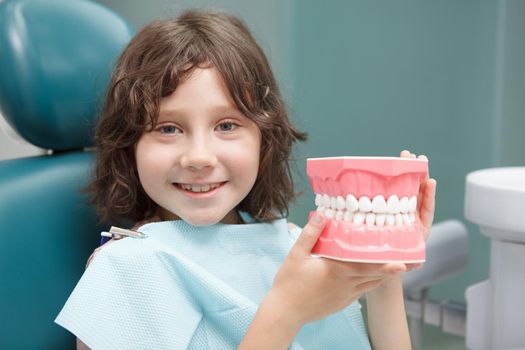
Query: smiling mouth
[{"x": 194, "y": 188}]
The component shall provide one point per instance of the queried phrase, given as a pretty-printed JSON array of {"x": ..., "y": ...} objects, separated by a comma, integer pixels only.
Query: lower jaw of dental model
[{"x": 371, "y": 207}]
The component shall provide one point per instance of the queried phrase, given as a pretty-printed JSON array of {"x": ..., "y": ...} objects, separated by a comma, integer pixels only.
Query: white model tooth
[
  {"x": 333, "y": 203},
  {"x": 412, "y": 204},
  {"x": 318, "y": 199},
  {"x": 411, "y": 217},
  {"x": 326, "y": 200},
  {"x": 351, "y": 203},
  {"x": 380, "y": 220},
  {"x": 399, "y": 219},
  {"x": 370, "y": 219},
  {"x": 390, "y": 221},
  {"x": 348, "y": 215},
  {"x": 359, "y": 218},
  {"x": 321, "y": 209},
  {"x": 379, "y": 204},
  {"x": 339, "y": 215},
  {"x": 365, "y": 205},
  {"x": 329, "y": 213},
  {"x": 406, "y": 219},
  {"x": 403, "y": 204},
  {"x": 393, "y": 204},
  {"x": 340, "y": 202}
]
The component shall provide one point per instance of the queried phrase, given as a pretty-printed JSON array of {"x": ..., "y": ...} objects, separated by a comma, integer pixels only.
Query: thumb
[{"x": 310, "y": 234}]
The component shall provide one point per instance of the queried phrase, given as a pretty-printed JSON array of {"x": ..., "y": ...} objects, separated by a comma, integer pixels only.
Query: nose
[{"x": 199, "y": 154}]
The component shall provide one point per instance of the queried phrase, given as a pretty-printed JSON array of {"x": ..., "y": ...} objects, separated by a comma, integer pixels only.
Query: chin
[{"x": 200, "y": 221}]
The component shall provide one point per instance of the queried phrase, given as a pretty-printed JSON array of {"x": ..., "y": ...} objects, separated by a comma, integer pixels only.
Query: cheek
[
  {"x": 150, "y": 162},
  {"x": 248, "y": 156}
]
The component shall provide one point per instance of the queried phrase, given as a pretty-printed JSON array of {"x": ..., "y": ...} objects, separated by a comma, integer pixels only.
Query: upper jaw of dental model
[
  {"x": 393, "y": 211},
  {"x": 375, "y": 191}
]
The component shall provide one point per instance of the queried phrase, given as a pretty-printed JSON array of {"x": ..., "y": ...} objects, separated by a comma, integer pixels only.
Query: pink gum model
[{"x": 369, "y": 177}]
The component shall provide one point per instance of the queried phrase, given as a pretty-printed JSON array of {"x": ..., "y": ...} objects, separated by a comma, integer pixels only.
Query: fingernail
[{"x": 318, "y": 219}]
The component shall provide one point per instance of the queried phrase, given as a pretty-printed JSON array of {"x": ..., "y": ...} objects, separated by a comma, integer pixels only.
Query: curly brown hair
[{"x": 151, "y": 67}]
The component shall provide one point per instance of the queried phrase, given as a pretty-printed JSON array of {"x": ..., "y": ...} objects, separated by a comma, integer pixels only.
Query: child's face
[{"x": 202, "y": 158}]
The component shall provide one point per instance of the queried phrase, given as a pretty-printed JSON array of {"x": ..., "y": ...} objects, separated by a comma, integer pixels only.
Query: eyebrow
[{"x": 218, "y": 109}]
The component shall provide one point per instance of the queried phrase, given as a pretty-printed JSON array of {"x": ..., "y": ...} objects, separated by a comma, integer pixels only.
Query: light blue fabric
[{"x": 191, "y": 287}]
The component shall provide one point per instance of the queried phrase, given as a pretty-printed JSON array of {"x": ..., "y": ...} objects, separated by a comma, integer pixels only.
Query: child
[{"x": 193, "y": 144}]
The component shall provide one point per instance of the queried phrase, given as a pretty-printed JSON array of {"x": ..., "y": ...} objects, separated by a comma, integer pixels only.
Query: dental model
[{"x": 371, "y": 207}]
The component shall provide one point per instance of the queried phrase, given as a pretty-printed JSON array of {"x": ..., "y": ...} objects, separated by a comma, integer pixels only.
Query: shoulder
[
  {"x": 113, "y": 240},
  {"x": 97, "y": 251}
]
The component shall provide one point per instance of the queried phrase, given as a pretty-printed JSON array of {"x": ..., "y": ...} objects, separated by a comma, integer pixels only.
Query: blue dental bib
[{"x": 188, "y": 287}]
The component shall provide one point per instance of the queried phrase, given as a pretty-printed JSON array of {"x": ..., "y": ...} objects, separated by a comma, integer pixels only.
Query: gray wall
[
  {"x": 268, "y": 21},
  {"x": 510, "y": 98}
]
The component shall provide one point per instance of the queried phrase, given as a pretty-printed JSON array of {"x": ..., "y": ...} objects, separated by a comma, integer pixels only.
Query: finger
[
  {"x": 426, "y": 213},
  {"x": 405, "y": 154},
  {"x": 422, "y": 156},
  {"x": 311, "y": 232},
  {"x": 370, "y": 270},
  {"x": 366, "y": 286}
]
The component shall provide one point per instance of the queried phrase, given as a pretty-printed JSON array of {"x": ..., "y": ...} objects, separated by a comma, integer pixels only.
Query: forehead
[{"x": 203, "y": 88}]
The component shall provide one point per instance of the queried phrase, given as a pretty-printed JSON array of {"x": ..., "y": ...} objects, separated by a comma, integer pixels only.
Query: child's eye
[
  {"x": 168, "y": 129},
  {"x": 227, "y": 126}
]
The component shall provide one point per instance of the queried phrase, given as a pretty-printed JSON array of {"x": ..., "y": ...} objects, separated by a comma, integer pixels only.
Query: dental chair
[{"x": 56, "y": 58}]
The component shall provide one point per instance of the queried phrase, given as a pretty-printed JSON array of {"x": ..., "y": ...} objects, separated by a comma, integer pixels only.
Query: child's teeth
[
  {"x": 199, "y": 188},
  {"x": 393, "y": 204},
  {"x": 379, "y": 204},
  {"x": 412, "y": 204},
  {"x": 365, "y": 205},
  {"x": 351, "y": 203}
]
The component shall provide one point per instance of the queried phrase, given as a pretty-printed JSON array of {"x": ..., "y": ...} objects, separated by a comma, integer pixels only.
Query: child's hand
[
  {"x": 426, "y": 197},
  {"x": 306, "y": 289},
  {"x": 425, "y": 202}
]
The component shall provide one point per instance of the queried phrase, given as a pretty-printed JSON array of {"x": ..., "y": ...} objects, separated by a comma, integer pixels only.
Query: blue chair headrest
[{"x": 55, "y": 66}]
